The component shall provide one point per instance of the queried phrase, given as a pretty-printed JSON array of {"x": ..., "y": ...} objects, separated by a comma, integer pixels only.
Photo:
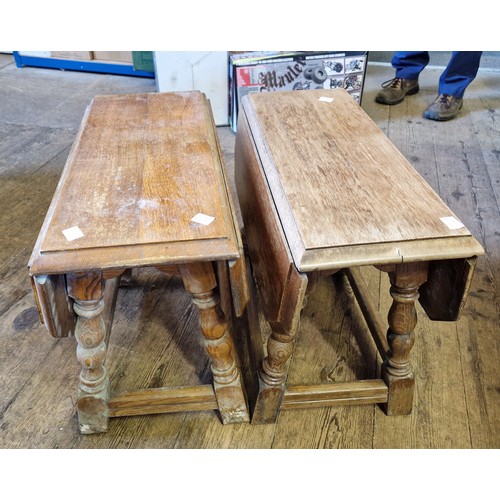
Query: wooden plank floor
[{"x": 154, "y": 341}]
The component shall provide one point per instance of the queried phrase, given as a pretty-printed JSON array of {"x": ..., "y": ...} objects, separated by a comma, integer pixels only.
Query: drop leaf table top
[
  {"x": 343, "y": 192},
  {"x": 141, "y": 167}
]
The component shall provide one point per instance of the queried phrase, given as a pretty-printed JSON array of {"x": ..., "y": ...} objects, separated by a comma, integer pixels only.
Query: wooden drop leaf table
[
  {"x": 144, "y": 186},
  {"x": 322, "y": 189}
]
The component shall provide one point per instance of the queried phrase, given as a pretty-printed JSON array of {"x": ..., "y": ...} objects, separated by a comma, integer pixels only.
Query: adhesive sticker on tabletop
[
  {"x": 452, "y": 222},
  {"x": 326, "y": 99},
  {"x": 72, "y": 233},
  {"x": 203, "y": 219}
]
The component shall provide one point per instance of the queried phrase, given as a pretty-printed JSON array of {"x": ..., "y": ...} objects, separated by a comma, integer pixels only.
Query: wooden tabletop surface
[
  {"x": 142, "y": 166},
  {"x": 336, "y": 179}
]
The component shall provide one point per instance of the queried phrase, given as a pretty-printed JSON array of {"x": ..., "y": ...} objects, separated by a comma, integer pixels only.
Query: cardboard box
[
  {"x": 205, "y": 71},
  {"x": 277, "y": 71},
  {"x": 83, "y": 55},
  {"x": 113, "y": 56}
]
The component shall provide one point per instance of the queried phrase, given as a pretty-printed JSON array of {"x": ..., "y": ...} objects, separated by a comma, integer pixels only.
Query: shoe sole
[
  {"x": 438, "y": 118},
  {"x": 411, "y": 91}
]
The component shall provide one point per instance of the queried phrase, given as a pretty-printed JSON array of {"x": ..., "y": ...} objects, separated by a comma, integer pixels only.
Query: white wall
[{"x": 203, "y": 71}]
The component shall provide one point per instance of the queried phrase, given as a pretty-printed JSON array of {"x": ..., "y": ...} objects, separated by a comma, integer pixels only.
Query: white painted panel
[
  {"x": 34, "y": 53},
  {"x": 199, "y": 70}
]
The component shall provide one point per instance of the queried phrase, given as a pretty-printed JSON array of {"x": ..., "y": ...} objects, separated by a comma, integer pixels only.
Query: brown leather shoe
[
  {"x": 395, "y": 90},
  {"x": 445, "y": 107}
]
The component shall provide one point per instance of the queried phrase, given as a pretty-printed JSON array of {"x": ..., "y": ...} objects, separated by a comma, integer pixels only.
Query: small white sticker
[
  {"x": 452, "y": 222},
  {"x": 326, "y": 99},
  {"x": 203, "y": 219},
  {"x": 72, "y": 233}
]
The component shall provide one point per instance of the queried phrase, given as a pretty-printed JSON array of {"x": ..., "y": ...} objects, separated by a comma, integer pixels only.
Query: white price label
[
  {"x": 72, "y": 233},
  {"x": 451, "y": 222},
  {"x": 203, "y": 219}
]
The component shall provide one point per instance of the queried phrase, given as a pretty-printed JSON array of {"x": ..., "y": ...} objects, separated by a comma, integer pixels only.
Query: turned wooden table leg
[
  {"x": 396, "y": 369},
  {"x": 88, "y": 290},
  {"x": 274, "y": 370},
  {"x": 273, "y": 375},
  {"x": 199, "y": 279}
]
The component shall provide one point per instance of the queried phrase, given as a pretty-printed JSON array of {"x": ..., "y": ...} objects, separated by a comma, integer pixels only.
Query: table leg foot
[
  {"x": 273, "y": 374},
  {"x": 268, "y": 403},
  {"x": 93, "y": 411},
  {"x": 400, "y": 394}
]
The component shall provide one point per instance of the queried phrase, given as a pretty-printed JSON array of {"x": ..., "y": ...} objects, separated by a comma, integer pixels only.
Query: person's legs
[
  {"x": 459, "y": 73},
  {"x": 457, "y": 76},
  {"x": 408, "y": 65}
]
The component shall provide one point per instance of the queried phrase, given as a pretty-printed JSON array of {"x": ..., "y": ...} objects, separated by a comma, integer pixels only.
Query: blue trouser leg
[
  {"x": 459, "y": 73},
  {"x": 408, "y": 65}
]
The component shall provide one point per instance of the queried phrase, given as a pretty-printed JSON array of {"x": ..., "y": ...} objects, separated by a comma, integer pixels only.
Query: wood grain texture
[
  {"x": 162, "y": 400},
  {"x": 332, "y": 347},
  {"x": 397, "y": 370},
  {"x": 272, "y": 262},
  {"x": 455, "y": 276},
  {"x": 128, "y": 174},
  {"x": 289, "y": 160},
  {"x": 156, "y": 163},
  {"x": 154, "y": 340},
  {"x": 199, "y": 280},
  {"x": 129, "y": 182},
  {"x": 456, "y": 372},
  {"x": 336, "y": 180},
  {"x": 54, "y": 305},
  {"x": 87, "y": 290},
  {"x": 369, "y": 310},
  {"x": 340, "y": 393}
]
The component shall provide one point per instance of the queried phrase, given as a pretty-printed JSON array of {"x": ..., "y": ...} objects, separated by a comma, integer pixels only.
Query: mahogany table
[
  {"x": 144, "y": 185},
  {"x": 322, "y": 189}
]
